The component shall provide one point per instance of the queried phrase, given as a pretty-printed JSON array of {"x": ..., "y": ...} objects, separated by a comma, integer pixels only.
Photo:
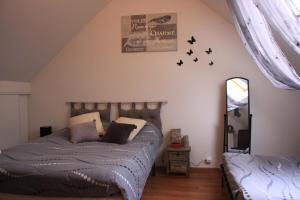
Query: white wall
[
  {"x": 92, "y": 68},
  {"x": 13, "y": 113}
]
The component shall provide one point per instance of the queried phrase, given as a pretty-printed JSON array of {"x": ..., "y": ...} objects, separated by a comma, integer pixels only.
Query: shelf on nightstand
[{"x": 178, "y": 160}]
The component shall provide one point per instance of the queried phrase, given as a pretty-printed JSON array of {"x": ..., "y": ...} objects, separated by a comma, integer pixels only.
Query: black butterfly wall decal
[
  {"x": 211, "y": 63},
  {"x": 196, "y": 59},
  {"x": 192, "y": 40},
  {"x": 180, "y": 62},
  {"x": 190, "y": 52},
  {"x": 209, "y": 51}
]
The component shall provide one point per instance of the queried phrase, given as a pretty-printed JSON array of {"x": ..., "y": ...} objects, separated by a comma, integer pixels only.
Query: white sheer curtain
[
  {"x": 284, "y": 16},
  {"x": 257, "y": 36}
]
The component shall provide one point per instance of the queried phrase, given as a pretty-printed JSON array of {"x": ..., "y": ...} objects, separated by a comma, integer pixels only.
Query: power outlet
[{"x": 208, "y": 160}]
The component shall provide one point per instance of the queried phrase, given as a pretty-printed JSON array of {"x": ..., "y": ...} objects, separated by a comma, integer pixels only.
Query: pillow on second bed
[
  {"x": 118, "y": 133},
  {"x": 140, "y": 123}
]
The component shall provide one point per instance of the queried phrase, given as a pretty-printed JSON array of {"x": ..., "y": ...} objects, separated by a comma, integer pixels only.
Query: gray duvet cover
[
  {"x": 258, "y": 177},
  {"x": 52, "y": 166}
]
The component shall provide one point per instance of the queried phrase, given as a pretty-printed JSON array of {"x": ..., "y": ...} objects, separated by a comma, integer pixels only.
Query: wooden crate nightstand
[{"x": 178, "y": 160}]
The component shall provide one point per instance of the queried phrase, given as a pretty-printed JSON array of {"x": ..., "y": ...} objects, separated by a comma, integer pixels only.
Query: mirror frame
[{"x": 225, "y": 147}]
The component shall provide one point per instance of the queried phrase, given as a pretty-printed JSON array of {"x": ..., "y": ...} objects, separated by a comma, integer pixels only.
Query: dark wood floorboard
[{"x": 202, "y": 184}]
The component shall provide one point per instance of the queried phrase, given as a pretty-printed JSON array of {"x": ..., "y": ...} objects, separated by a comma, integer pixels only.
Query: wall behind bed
[{"x": 92, "y": 68}]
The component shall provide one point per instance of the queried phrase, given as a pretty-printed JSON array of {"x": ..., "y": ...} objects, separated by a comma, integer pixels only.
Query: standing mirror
[{"x": 237, "y": 123}]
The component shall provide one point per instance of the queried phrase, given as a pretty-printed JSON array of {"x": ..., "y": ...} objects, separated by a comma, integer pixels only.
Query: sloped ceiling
[
  {"x": 220, "y": 7},
  {"x": 32, "y": 32}
]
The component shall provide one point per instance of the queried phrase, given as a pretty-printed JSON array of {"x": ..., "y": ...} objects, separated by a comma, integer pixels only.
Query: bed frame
[
  {"x": 152, "y": 115},
  {"x": 225, "y": 180},
  {"x": 28, "y": 197}
]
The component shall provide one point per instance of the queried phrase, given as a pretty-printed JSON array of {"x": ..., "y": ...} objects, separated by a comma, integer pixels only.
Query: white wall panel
[
  {"x": 13, "y": 113},
  {"x": 9, "y": 121}
]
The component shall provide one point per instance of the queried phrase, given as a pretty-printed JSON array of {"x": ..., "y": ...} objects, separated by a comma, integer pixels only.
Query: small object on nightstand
[
  {"x": 185, "y": 141},
  {"x": 175, "y": 136},
  {"x": 178, "y": 160},
  {"x": 176, "y": 145},
  {"x": 45, "y": 130}
]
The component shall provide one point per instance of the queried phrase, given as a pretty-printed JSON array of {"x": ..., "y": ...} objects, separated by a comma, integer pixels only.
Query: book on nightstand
[{"x": 176, "y": 145}]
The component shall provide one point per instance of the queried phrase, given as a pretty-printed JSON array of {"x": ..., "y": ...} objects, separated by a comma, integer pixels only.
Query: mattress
[
  {"x": 259, "y": 177},
  {"x": 53, "y": 167}
]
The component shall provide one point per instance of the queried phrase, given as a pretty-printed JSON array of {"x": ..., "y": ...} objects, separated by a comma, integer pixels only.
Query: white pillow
[
  {"x": 140, "y": 123},
  {"x": 88, "y": 117}
]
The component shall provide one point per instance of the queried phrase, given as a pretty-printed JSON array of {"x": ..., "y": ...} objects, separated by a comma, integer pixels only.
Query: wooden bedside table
[
  {"x": 45, "y": 130},
  {"x": 178, "y": 160}
]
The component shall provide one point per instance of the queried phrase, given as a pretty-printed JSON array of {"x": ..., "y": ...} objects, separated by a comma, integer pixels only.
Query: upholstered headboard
[
  {"x": 150, "y": 115},
  {"x": 104, "y": 113}
]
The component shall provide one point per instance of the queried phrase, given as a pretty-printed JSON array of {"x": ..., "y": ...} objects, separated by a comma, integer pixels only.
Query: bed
[
  {"x": 259, "y": 177},
  {"x": 53, "y": 168}
]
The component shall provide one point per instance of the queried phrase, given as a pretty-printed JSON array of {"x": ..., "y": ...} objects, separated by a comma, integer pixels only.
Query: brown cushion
[
  {"x": 118, "y": 133},
  {"x": 84, "y": 132}
]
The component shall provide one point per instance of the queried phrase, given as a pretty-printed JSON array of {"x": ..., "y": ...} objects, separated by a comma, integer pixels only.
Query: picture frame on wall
[
  {"x": 175, "y": 136},
  {"x": 149, "y": 32}
]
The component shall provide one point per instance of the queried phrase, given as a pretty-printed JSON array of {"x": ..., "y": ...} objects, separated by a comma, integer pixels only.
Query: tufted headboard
[
  {"x": 104, "y": 113},
  {"x": 150, "y": 115}
]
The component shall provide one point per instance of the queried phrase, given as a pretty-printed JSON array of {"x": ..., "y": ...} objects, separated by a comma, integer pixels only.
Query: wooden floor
[{"x": 202, "y": 184}]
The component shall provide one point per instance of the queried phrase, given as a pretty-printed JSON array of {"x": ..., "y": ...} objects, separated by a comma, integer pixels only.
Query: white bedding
[{"x": 263, "y": 177}]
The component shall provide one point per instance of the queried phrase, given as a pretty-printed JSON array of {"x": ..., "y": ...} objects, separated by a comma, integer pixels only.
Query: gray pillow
[{"x": 84, "y": 132}]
